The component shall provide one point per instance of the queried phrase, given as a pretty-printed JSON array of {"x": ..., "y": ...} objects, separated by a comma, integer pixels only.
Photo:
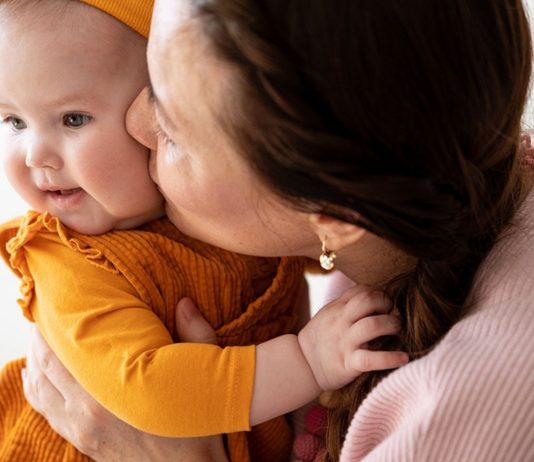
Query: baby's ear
[{"x": 336, "y": 234}]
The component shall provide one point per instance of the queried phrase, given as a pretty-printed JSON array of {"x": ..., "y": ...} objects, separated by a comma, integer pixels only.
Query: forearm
[
  {"x": 283, "y": 380},
  {"x": 176, "y": 390},
  {"x": 138, "y": 374}
]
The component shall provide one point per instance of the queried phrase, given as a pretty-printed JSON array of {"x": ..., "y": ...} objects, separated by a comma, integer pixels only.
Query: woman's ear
[{"x": 336, "y": 234}]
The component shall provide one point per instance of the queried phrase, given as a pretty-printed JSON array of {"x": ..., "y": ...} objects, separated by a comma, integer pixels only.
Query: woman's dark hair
[{"x": 400, "y": 116}]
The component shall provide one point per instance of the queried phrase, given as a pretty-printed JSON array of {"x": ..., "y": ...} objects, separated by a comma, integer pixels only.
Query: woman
[{"x": 388, "y": 133}]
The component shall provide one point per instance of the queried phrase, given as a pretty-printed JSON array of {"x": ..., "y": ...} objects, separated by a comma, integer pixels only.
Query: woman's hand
[{"x": 77, "y": 417}]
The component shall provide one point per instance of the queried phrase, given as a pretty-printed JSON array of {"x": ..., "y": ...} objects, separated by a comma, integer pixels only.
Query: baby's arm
[
  {"x": 123, "y": 355},
  {"x": 328, "y": 353}
]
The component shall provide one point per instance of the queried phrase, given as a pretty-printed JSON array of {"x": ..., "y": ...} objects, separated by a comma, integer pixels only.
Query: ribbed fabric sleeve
[
  {"x": 106, "y": 305},
  {"x": 471, "y": 399}
]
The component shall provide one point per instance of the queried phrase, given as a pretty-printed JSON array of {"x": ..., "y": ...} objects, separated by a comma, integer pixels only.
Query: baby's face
[{"x": 67, "y": 79}]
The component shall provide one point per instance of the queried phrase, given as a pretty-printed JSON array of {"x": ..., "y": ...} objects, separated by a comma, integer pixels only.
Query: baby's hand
[{"x": 334, "y": 341}]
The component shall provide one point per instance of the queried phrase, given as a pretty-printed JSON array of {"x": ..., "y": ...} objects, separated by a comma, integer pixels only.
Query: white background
[
  {"x": 13, "y": 326},
  {"x": 14, "y": 329}
]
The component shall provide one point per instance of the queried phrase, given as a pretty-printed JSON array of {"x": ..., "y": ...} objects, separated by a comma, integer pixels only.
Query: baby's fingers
[
  {"x": 371, "y": 327},
  {"x": 366, "y": 303},
  {"x": 367, "y": 360}
]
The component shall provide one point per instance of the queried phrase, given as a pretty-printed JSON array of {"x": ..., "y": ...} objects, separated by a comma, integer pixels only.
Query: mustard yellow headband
[{"x": 134, "y": 13}]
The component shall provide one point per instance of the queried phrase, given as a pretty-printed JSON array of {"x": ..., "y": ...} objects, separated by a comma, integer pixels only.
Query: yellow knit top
[{"x": 106, "y": 304}]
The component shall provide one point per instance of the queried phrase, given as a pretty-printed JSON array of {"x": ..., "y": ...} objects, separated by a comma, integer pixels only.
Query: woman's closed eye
[
  {"x": 160, "y": 134},
  {"x": 17, "y": 124},
  {"x": 173, "y": 151},
  {"x": 76, "y": 120}
]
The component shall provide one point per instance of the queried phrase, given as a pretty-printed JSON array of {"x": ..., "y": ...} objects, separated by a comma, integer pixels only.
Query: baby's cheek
[{"x": 16, "y": 172}]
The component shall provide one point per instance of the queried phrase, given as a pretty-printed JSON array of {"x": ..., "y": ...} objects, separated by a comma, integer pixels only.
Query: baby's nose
[{"x": 40, "y": 154}]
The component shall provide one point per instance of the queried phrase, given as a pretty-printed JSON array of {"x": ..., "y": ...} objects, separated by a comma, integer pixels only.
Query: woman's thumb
[{"x": 190, "y": 324}]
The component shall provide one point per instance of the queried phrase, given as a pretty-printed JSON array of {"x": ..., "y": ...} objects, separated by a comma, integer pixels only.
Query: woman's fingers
[
  {"x": 49, "y": 364},
  {"x": 191, "y": 325},
  {"x": 38, "y": 389},
  {"x": 52, "y": 391},
  {"x": 40, "y": 392}
]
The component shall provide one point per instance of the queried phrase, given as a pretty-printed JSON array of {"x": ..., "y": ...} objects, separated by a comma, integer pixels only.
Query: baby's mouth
[
  {"x": 67, "y": 199},
  {"x": 66, "y": 192}
]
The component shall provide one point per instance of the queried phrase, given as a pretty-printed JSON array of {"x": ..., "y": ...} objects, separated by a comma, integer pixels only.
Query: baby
[{"x": 102, "y": 271}]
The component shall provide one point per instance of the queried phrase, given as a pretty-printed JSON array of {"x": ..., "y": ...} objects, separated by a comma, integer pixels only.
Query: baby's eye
[
  {"x": 16, "y": 123},
  {"x": 74, "y": 120}
]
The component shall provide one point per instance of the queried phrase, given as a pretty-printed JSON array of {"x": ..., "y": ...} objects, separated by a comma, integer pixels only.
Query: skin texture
[{"x": 65, "y": 148}]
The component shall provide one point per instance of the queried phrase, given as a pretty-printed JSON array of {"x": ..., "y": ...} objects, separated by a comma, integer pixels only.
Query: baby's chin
[
  {"x": 90, "y": 227},
  {"x": 100, "y": 221},
  {"x": 87, "y": 223}
]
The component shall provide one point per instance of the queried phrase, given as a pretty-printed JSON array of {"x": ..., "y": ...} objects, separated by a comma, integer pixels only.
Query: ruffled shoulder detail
[{"x": 35, "y": 223}]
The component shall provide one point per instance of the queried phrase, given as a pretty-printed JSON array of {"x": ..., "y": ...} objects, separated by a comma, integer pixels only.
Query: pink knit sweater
[{"x": 472, "y": 398}]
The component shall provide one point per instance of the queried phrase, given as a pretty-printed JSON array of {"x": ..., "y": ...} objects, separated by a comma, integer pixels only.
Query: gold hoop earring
[{"x": 327, "y": 258}]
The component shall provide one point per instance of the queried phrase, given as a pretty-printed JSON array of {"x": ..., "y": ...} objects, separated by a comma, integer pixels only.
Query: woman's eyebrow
[{"x": 158, "y": 108}]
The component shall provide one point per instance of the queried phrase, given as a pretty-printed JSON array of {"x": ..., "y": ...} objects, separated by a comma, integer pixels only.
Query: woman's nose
[
  {"x": 39, "y": 154},
  {"x": 140, "y": 121}
]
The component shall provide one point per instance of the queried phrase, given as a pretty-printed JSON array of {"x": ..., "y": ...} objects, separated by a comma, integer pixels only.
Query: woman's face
[{"x": 211, "y": 192}]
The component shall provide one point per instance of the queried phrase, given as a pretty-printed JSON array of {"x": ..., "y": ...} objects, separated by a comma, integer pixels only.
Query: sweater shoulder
[
  {"x": 469, "y": 399},
  {"x": 480, "y": 382}
]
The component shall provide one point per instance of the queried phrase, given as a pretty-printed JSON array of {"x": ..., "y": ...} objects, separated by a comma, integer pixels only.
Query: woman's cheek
[
  {"x": 174, "y": 156},
  {"x": 173, "y": 176}
]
